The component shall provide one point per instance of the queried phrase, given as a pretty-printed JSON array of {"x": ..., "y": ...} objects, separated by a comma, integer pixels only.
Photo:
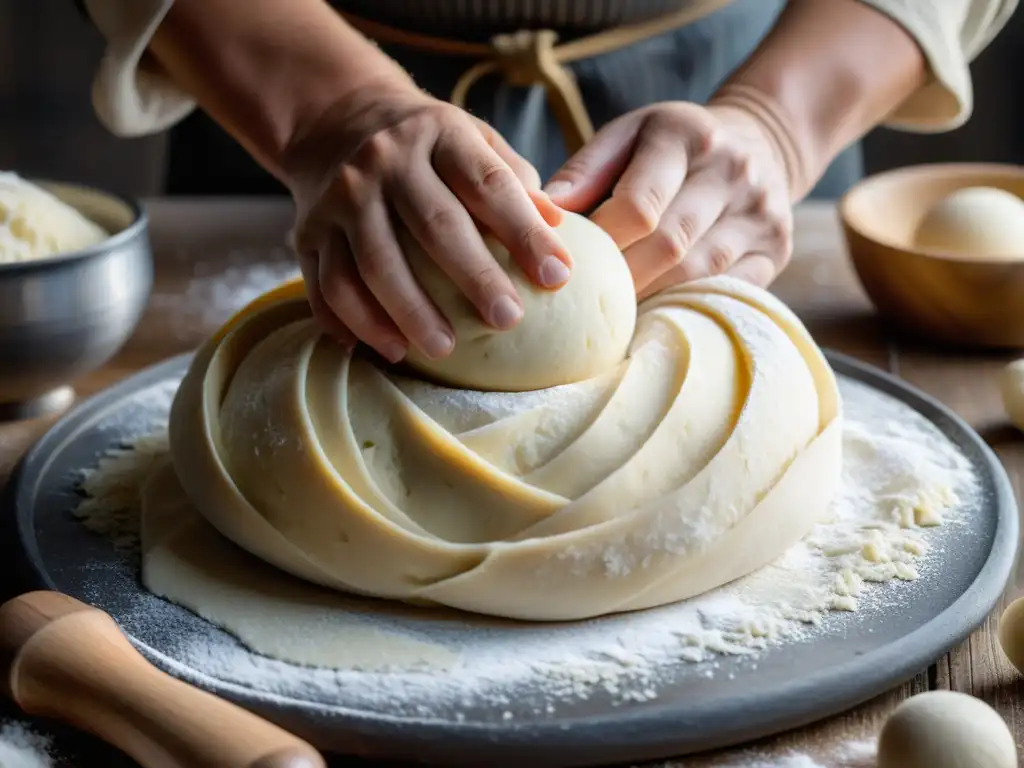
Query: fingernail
[
  {"x": 393, "y": 351},
  {"x": 552, "y": 272},
  {"x": 558, "y": 188},
  {"x": 438, "y": 344},
  {"x": 505, "y": 313}
]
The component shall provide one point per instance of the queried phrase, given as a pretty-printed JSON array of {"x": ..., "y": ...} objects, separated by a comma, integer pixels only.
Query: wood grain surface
[{"x": 209, "y": 252}]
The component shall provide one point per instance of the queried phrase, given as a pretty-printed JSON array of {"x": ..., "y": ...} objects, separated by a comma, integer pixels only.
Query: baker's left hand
[{"x": 688, "y": 191}]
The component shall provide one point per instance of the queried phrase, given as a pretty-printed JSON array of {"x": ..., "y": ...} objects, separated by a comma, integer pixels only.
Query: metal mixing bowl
[{"x": 65, "y": 316}]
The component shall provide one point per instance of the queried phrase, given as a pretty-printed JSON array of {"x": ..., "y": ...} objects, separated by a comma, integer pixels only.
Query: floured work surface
[{"x": 774, "y": 651}]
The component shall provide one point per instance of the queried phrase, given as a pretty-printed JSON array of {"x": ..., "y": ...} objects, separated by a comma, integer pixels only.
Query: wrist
[
  {"x": 771, "y": 121},
  {"x": 265, "y": 74},
  {"x": 828, "y": 72}
]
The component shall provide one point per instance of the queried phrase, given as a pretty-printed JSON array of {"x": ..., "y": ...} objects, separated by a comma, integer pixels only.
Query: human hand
[
  {"x": 694, "y": 191},
  {"x": 391, "y": 157}
]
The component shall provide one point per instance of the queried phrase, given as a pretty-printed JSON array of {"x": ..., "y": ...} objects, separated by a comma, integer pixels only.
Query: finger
[
  {"x": 493, "y": 194},
  {"x": 724, "y": 244},
  {"x": 645, "y": 190},
  {"x": 524, "y": 170},
  {"x": 446, "y": 231},
  {"x": 309, "y": 264},
  {"x": 386, "y": 273},
  {"x": 695, "y": 209},
  {"x": 757, "y": 268},
  {"x": 352, "y": 302},
  {"x": 589, "y": 175}
]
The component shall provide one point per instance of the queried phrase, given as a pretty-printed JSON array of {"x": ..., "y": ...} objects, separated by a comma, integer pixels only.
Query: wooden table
[{"x": 196, "y": 241}]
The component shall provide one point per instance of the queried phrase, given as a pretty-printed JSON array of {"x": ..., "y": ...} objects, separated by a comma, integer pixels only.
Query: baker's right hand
[{"x": 391, "y": 156}]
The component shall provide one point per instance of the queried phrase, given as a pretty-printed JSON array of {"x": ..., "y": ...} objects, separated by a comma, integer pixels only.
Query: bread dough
[
  {"x": 185, "y": 560},
  {"x": 944, "y": 729},
  {"x": 35, "y": 224},
  {"x": 983, "y": 222},
  {"x": 706, "y": 453},
  {"x": 568, "y": 335},
  {"x": 1011, "y": 386}
]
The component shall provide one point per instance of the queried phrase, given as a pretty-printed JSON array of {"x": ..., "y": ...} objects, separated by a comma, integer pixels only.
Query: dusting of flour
[
  {"x": 20, "y": 747},
  {"x": 903, "y": 482}
]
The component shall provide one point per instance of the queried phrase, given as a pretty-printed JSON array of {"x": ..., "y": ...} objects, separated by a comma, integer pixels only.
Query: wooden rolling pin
[{"x": 68, "y": 661}]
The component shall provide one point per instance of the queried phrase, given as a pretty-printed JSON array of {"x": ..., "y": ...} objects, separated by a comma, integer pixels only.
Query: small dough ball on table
[
  {"x": 1011, "y": 385},
  {"x": 1011, "y": 633},
  {"x": 983, "y": 222},
  {"x": 35, "y": 224},
  {"x": 569, "y": 335},
  {"x": 944, "y": 729}
]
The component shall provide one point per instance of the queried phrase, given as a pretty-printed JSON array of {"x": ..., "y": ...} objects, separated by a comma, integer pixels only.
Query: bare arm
[
  {"x": 263, "y": 68},
  {"x": 828, "y": 72}
]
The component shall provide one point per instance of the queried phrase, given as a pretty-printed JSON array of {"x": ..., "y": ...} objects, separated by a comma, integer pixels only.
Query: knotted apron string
[{"x": 534, "y": 57}]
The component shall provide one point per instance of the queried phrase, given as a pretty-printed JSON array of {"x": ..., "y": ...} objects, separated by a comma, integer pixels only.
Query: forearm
[
  {"x": 827, "y": 73},
  {"x": 262, "y": 68}
]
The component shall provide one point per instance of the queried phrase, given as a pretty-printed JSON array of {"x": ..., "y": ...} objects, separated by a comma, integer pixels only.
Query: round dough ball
[
  {"x": 1011, "y": 633},
  {"x": 1011, "y": 385},
  {"x": 943, "y": 729},
  {"x": 984, "y": 222},
  {"x": 565, "y": 336}
]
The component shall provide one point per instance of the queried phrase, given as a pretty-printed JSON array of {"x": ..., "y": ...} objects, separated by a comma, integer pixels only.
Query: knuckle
[
  {"x": 642, "y": 208},
  {"x": 439, "y": 224},
  {"x": 720, "y": 258},
  {"x": 759, "y": 199},
  {"x": 414, "y": 315},
  {"x": 495, "y": 181},
  {"x": 742, "y": 167},
  {"x": 373, "y": 266},
  {"x": 532, "y": 234},
  {"x": 376, "y": 149},
  {"x": 487, "y": 283},
  {"x": 671, "y": 244}
]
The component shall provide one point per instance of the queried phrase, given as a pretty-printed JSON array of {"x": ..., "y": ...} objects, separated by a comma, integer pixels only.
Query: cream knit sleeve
[
  {"x": 951, "y": 33},
  {"x": 133, "y": 101}
]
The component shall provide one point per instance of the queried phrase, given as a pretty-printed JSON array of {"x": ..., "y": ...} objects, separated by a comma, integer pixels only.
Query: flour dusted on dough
[{"x": 20, "y": 747}]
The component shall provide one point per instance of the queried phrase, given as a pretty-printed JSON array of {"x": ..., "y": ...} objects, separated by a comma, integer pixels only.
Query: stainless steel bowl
[{"x": 65, "y": 316}]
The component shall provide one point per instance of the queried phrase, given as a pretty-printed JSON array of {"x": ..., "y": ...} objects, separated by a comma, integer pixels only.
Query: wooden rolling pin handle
[{"x": 68, "y": 661}]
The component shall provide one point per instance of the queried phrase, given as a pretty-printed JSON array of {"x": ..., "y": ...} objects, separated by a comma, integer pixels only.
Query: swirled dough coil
[{"x": 702, "y": 456}]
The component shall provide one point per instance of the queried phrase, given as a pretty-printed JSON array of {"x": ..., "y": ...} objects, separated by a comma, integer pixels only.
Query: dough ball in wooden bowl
[
  {"x": 565, "y": 336},
  {"x": 939, "y": 249},
  {"x": 944, "y": 729}
]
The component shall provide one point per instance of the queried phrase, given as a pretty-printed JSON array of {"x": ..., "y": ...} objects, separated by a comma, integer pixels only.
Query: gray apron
[{"x": 686, "y": 64}]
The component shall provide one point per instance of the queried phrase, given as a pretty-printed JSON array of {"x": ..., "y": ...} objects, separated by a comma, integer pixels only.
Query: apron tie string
[{"x": 534, "y": 57}]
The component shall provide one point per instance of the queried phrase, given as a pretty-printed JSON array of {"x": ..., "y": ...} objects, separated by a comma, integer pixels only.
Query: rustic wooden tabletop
[{"x": 214, "y": 255}]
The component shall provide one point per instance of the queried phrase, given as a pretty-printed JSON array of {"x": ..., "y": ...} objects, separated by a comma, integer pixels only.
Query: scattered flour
[
  {"x": 215, "y": 291},
  {"x": 905, "y": 486},
  {"x": 851, "y": 754},
  {"x": 20, "y": 747}
]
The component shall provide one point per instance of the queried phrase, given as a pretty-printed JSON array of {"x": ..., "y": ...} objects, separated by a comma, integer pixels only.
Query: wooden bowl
[{"x": 963, "y": 300}]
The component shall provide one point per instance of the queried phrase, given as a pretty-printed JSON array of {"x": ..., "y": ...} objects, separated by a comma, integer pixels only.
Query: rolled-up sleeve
[
  {"x": 131, "y": 99},
  {"x": 951, "y": 34}
]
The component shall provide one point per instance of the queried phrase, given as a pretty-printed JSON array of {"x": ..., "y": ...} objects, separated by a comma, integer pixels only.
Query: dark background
[{"x": 48, "y": 55}]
